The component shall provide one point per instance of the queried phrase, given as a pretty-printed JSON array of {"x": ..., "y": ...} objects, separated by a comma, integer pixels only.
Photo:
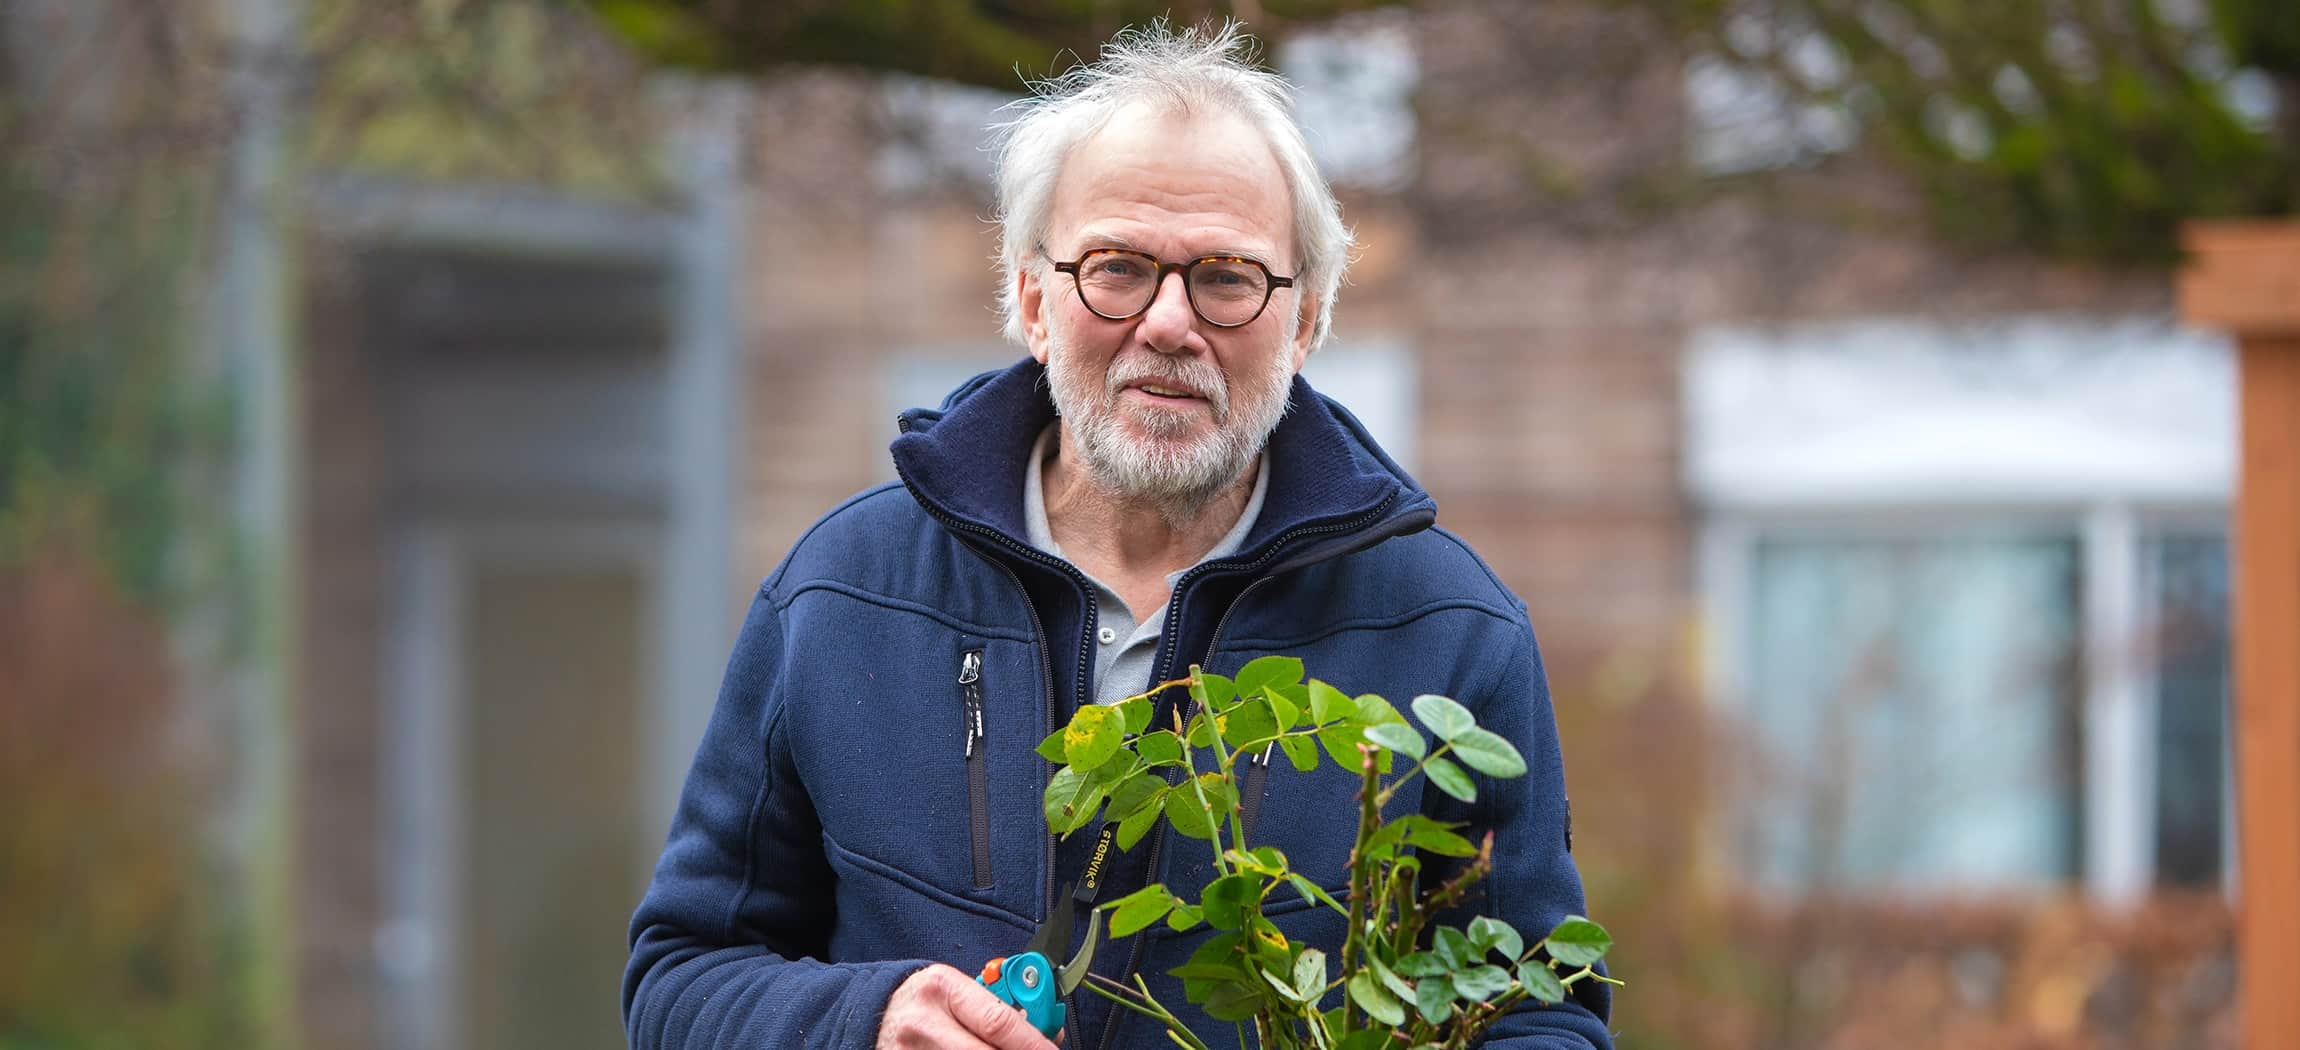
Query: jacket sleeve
[
  {"x": 1534, "y": 883},
  {"x": 727, "y": 946}
]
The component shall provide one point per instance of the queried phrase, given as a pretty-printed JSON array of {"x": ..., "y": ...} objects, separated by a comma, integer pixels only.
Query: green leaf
[
  {"x": 1578, "y": 942},
  {"x": 1301, "y": 751},
  {"x": 1285, "y": 708},
  {"x": 1454, "y": 947},
  {"x": 1422, "y": 964},
  {"x": 1376, "y": 1000},
  {"x": 1267, "y": 942},
  {"x": 1231, "y": 1001},
  {"x": 1249, "y": 722},
  {"x": 1136, "y": 714},
  {"x": 1233, "y": 970},
  {"x": 1227, "y": 900},
  {"x": 1389, "y": 978},
  {"x": 1399, "y": 738},
  {"x": 1138, "y": 823},
  {"x": 1187, "y": 815},
  {"x": 1051, "y": 748},
  {"x": 1139, "y": 909},
  {"x": 1266, "y": 671},
  {"x": 1365, "y": 1039},
  {"x": 1488, "y": 932},
  {"x": 1262, "y": 860},
  {"x": 1201, "y": 732},
  {"x": 1159, "y": 748},
  {"x": 1328, "y": 703},
  {"x": 1432, "y": 836},
  {"x": 1312, "y": 891},
  {"x": 1386, "y": 839},
  {"x": 1489, "y": 754},
  {"x": 1373, "y": 710},
  {"x": 1135, "y": 792},
  {"x": 1116, "y": 768},
  {"x": 1283, "y": 985},
  {"x": 1479, "y": 983},
  {"x": 1184, "y": 917},
  {"x": 1221, "y": 958},
  {"x": 1443, "y": 716},
  {"x": 1341, "y": 742},
  {"x": 1434, "y": 997},
  {"x": 1213, "y": 692},
  {"x": 1093, "y": 736},
  {"x": 1309, "y": 976},
  {"x": 1070, "y": 800},
  {"x": 1450, "y": 779},
  {"x": 1541, "y": 982}
]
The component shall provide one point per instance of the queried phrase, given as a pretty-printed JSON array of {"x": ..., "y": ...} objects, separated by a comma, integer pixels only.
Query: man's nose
[{"x": 1166, "y": 324}]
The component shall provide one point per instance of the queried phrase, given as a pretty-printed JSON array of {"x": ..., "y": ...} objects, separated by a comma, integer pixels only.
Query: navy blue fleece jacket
[{"x": 839, "y": 831}]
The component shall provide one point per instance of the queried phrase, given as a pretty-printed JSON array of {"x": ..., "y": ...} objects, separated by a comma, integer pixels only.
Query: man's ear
[
  {"x": 1305, "y": 331},
  {"x": 1030, "y": 306}
]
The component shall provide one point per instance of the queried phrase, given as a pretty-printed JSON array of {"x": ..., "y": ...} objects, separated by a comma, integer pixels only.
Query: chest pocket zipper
[
  {"x": 1256, "y": 783},
  {"x": 977, "y": 775}
]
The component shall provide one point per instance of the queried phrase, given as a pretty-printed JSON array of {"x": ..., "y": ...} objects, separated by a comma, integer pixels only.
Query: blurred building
[{"x": 1874, "y": 580}]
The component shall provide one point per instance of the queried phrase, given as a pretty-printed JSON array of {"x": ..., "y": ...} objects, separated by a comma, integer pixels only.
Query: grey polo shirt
[{"x": 1123, "y": 649}]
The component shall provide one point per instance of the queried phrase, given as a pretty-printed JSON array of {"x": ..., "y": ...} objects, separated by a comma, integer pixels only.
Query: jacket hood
[{"x": 1332, "y": 488}]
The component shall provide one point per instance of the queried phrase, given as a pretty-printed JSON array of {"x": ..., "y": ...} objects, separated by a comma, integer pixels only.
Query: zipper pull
[{"x": 970, "y": 682}]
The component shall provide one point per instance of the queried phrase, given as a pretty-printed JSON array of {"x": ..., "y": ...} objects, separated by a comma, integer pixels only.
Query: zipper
[
  {"x": 1250, "y": 791},
  {"x": 1213, "y": 641},
  {"x": 1054, "y": 700},
  {"x": 977, "y": 775}
]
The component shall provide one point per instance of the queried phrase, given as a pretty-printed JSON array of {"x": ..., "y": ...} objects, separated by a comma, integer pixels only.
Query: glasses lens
[
  {"x": 1229, "y": 291},
  {"x": 1117, "y": 283}
]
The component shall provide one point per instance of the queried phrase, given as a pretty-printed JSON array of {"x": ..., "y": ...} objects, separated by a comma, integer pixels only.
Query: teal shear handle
[{"x": 1027, "y": 983}]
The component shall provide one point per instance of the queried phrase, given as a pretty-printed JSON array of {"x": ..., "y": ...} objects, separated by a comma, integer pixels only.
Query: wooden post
[{"x": 2245, "y": 279}]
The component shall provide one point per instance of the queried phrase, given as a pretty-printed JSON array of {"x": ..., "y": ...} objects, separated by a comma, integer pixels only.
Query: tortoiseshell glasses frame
[{"x": 1220, "y": 287}]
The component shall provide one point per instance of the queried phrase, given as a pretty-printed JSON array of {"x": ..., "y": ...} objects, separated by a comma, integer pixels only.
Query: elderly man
[{"x": 1153, "y": 488}]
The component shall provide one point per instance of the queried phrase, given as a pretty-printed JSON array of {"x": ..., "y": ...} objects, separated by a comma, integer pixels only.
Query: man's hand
[{"x": 939, "y": 1007}]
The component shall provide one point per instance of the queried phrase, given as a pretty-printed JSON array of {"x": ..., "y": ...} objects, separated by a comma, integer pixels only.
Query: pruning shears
[{"x": 1029, "y": 981}]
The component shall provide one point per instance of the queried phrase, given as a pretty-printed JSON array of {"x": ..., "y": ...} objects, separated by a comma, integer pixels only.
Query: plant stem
[
  {"x": 1198, "y": 791},
  {"x": 1145, "y": 1005},
  {"x": 1361, "y": 876},
  {"x": 1419, "y": 765}
]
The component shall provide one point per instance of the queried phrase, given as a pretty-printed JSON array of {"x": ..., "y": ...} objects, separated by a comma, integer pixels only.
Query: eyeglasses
[{"x": 1227, "y": 291}]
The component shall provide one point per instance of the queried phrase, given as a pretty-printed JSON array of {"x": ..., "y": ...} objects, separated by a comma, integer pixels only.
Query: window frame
[{"x": 2117, "y": 787}]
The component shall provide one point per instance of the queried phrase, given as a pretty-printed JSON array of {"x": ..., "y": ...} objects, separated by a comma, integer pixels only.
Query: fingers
[
  {"x": 939, "y": 1008},
  {"x": 918, "y": 1015},
  {"x": 992, "y": 1021}
]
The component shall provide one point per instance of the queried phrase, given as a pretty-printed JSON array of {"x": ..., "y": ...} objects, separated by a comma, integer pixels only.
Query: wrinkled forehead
[{"x": 1174, "y": 180}]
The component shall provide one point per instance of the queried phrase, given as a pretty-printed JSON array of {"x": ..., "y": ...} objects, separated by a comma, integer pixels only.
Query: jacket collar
[{"x": 1332, "y": 489}]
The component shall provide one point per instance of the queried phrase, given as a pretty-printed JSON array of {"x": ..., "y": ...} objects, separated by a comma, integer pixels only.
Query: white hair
[{"x": 1181, "y": 69}]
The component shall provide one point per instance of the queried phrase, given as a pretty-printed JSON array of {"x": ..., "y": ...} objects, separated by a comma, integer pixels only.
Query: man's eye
[{"x": 1117, "y": 267}]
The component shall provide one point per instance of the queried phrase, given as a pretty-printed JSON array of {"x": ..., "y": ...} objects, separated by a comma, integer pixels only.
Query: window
[
  {"x": 1913, "y": 710},
  {"x": 1968, "y": 594},
  {"x": 2188, "y": 591}
]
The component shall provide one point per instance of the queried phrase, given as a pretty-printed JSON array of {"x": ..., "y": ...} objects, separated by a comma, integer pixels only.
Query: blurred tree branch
[
  {"x": 987, "y": 43},
  {"x": 2082, "y": 128}
]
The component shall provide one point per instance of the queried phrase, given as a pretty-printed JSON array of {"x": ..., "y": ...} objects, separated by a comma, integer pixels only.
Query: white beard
[{"x": 1175, "y": 473}]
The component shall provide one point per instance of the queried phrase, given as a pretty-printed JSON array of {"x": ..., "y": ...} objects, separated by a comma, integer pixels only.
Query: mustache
[{"x": 1194, "y": 374}]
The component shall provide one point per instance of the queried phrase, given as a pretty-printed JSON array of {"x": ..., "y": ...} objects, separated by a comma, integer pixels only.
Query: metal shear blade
[{"x": 1054, "y": 935}]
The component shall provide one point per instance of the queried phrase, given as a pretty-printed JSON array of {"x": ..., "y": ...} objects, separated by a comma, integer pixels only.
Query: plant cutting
[{"x": 1402, "y": 979}]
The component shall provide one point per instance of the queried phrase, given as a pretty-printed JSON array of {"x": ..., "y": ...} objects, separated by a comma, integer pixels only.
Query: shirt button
[{"x": 1107, "y": 635}]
